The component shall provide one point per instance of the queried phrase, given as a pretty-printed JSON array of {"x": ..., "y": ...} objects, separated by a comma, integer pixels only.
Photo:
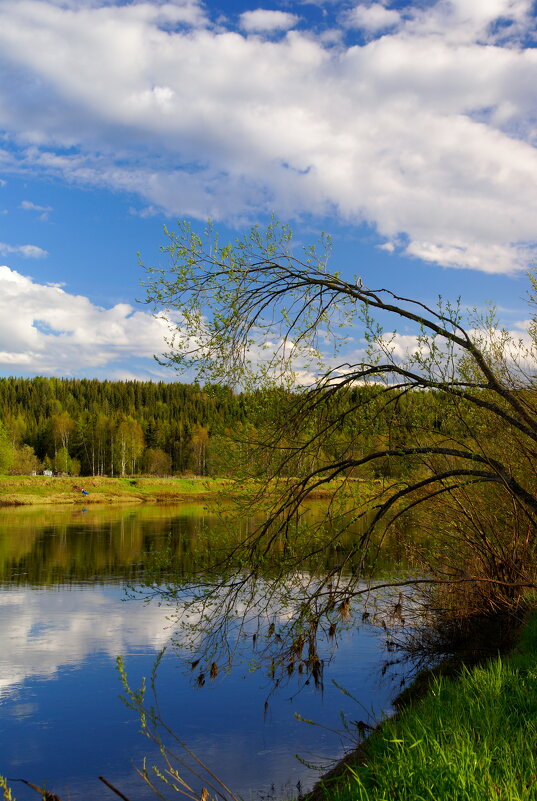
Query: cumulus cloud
[
  {"x": 57, "y": 333},
  {"x": 485, "y": 21},
  {"x": 372, "y": 18},
  {"x": 516, "y": 342},
  {"x": 264, "y": 20},
  {"x": 43, "y": 632},
  {"x": 425, "y": 131}
]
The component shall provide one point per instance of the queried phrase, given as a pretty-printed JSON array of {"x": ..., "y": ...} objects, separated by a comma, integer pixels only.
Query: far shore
[
  {"x": 86, "y": 490},
  {"x": 83, "y": 491}
]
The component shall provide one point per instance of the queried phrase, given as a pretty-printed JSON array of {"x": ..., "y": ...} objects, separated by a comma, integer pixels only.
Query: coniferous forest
[
  {"x": 117, "y": 428},
  {"x": 92, "y": 427}
]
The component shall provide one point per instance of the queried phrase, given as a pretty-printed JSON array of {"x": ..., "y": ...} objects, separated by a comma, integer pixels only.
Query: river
[{"x": 66, "y": 613}]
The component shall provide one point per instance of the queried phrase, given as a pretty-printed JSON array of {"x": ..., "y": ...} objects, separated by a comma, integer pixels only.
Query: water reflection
[
  {"x": 100, "y": 543},
  {"x": 58, "y": 545},
  {"x": 46, "y": 630},
  {"x": 64, "y": 618}
]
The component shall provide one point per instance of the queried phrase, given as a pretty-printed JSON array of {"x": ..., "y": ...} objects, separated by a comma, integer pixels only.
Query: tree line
[
  {"x": 92, "y": 427},
  {"x": 117, "y": 428}
]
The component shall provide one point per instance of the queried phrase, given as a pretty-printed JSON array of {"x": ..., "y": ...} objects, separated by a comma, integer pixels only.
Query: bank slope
[{"x": 471, "y": 738}]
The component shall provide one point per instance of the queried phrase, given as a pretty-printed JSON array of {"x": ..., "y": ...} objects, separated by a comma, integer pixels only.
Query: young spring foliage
[{"x": 261, "y": 314}]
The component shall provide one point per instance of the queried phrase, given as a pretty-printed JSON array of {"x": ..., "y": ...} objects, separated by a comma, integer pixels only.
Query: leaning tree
[{"x": 437, "y": 426}]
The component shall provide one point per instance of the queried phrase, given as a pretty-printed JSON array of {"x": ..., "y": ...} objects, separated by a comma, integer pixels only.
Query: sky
[{"x": 406, "y": 130}]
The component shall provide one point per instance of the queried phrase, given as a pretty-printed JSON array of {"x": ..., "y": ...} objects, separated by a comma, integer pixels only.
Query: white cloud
[
  {"x": 489, "y": 258},
  {"x": 372, "y": 18},
  {"x": 27, "y": 251},
  {"x": 265, "y": 20},
  {"x": 44, "y": 631},
  {"x": 145, "y": 213},
  {"x": 44, "y": 211},
  {"x": 486, "y": 21},
  {"x": 427, "y": 132},
  {"x": 517, "y": 346},
  {"x": 57, "y": 333},
  {"x": 27, "y": 205}
]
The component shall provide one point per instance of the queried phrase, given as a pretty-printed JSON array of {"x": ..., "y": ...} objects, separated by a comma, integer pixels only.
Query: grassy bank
[
  {"x": 34, "y": 490},
  {"x": 470, "y": 738}
]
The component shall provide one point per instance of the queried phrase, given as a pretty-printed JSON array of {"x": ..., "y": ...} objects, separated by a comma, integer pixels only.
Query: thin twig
[{"x": 114, "y": 789}]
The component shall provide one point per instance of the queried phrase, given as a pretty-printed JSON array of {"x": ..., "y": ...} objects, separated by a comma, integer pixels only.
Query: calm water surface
[{"x": 64, "y": 617}]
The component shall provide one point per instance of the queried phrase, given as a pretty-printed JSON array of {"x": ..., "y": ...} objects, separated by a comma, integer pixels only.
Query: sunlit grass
[
  {"x": 31, "y": 490},
  {"x": 471, "y": 738}
]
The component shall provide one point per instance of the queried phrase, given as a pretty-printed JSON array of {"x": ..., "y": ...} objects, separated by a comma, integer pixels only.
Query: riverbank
[
  {"x": 38, "y": 490},
  {"x": 58, "y": 490},
  {"x": 471, "y": 738}
]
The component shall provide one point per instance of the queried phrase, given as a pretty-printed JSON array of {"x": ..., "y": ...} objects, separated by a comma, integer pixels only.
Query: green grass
[
  {"x": 470, "y": 738},
  {"x": 33, "y": 490}
]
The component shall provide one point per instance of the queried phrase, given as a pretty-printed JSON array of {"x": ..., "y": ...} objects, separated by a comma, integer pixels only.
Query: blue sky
[{"x": 405, "y": 129}]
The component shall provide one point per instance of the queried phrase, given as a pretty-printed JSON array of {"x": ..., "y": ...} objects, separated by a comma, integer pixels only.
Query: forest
[
  {"x": 117, "y": 428},
  {"x": 90, "y": 427}
]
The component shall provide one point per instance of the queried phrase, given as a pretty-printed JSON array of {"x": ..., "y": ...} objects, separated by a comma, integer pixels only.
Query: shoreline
[
  {"x": 17, "y": 491},
  {"x": 436, "y": 730},
  {"x": 355, "y": 776}
]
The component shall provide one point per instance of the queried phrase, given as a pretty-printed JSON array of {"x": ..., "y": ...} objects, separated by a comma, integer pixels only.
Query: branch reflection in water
[
  {"x": 279, "y": 620},
  {"x": 63, "y": 622}
]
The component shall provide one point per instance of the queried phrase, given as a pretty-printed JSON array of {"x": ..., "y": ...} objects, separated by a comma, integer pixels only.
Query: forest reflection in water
[{"x": 64, "y": 619}]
